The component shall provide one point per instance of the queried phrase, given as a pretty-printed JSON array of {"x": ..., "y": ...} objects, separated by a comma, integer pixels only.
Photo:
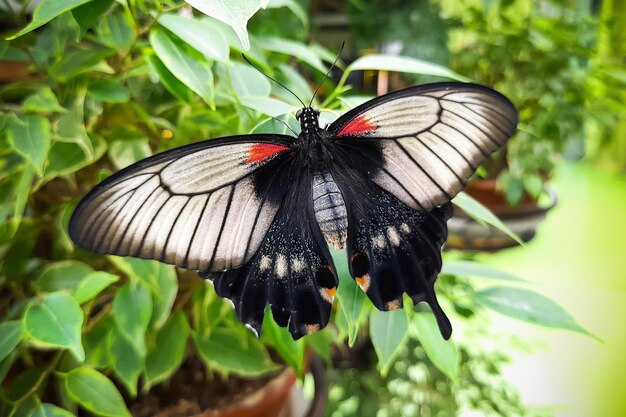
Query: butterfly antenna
[
  {"x": 326, "y": 75},
  {"x": 282, "y": 85}
]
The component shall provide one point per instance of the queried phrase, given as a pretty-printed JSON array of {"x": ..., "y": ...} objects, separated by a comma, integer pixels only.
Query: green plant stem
[
  {"x": 101, "y": 314},
  {"x": 44, "y": 376}
]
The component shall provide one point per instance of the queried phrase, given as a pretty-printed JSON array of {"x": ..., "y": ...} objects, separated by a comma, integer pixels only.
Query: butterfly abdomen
[{"x": 330, "y": 209}]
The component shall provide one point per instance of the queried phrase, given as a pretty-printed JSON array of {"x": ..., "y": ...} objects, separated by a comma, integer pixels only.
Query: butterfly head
[{"x": 309, "y": 119}]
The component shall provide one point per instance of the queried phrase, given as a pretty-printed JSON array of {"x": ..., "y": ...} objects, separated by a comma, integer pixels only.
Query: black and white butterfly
[{"x": 254, "y": 213}]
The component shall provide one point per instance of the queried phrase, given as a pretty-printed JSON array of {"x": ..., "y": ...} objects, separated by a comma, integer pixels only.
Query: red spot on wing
[
  {"x": 358, "y": 126},
  {"x": 262, "y": 151}
]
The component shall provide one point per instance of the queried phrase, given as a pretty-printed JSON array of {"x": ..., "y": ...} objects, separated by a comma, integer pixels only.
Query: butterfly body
[{"x": 255, "y": 213}]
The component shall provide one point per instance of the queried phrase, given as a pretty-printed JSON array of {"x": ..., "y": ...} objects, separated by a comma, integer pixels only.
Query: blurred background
[{"x": 533, "y": 277}]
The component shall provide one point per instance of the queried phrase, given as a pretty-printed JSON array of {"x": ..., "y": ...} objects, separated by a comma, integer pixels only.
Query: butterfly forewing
[{"x": 202, "y": 207}]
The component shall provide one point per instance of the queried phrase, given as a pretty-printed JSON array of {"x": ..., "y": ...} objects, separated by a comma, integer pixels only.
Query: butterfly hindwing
[
  {"x": 292, "y": 270},
  {"x": 176, "y": 206}
]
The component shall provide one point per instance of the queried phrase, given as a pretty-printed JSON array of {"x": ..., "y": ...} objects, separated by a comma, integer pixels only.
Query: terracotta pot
[{"x": 523, "y": 219}]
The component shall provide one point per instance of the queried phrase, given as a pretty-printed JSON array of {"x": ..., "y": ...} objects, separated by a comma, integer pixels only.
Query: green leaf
[
  {"x": 350, "y": 297},
  {"x": 128, "y": 151},
  {"x": 71, "y": 126},
  {"x": 388, "y": 330},
  {"x": 274, "y": 126},
  {"x": 108, "y": 91},
  {"x": 442, "y": 353},
  {"x": 164, "y": 293},
  {"x": 234, "y": 13},
  {"x": 88, "y": 14},
  {"x": 117, "y": 30},
  {"x": 47, "y": 10},
  {"x": 295, "y": 8},
  {"x": 96, "y": 344},
  {"x": 267, "y": 105},
  {"x": 201, "y": 36},
  {"x": 526, "y": 305},
  {"x": 481, "y": 213},
  {"x": 95, "y": 392},
  {"x": 132, "y": 308},
  {"x": 76, "y": 62},
  {"x": 50, "y": 410},
  {"x": 228, "y": 350},
  {"x": 30, "y": 137},
  {"x": 10, "y": 335},
  {"x": 92, "y": 285},
  {"x": 189, "y": 68},
  {"x": 56, "y": 322},
  {"x": 292, "y": 48},
  {"x": 65, "y": 158},
  {"x": 169, "y": 350},
  {"x": 43, "y": 101},
  {"x": 475, "y": 269},
  {"x": 292, "y": 351},
  {"x": 401, "y": 64},
  {"x": 169, "y": 81},
  {"x": 62, "y": 275},
  {"x": 248, "y": 82},
  {"x": 126, "y": 360}
]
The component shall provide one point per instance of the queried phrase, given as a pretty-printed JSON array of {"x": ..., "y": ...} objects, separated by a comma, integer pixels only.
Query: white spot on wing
[
  {"x": 297, "y": 264},
  {"x": 281, "y": 266},
  {"x": 405, "y": 228},
  {"x": 379, "y": 241},
  {"x": 393, "y": 236},
  {"x": 265, "y": 263}
]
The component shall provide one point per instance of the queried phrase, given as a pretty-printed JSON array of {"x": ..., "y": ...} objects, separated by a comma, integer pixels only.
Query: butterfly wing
[
  {"x": 432, "y": 137},
  {"x": 204, "y": 206},
  {"x": 292, "y": 270},
  {"x": 400, "y": 159}
]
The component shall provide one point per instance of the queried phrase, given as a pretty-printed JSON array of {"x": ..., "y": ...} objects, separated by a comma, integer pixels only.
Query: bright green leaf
[
  {"x": 164, "y": 293},
  {"x": 10, "y": 335},
  {"x": 117, "y": 30},
  {"x": 232, "y": 350},
  {"x": 45, "y": 11},
  {"x": 108, "y": 91},
  {"x": 50, "y": 410},
  {"x": 56, "y": 322},
  {"x": 65, "y": 158},
  {"x": 126, "y": 360},
  {"x": 188, "y": 67},
  {"x": 529, "y": 306},
  {"x": 92, "y": 285},
  {"x": 132, "y": 308},
  {"x": 43, "y": 101},
  {"x": 234, "y": 13},
  {"x": 169, "y": 350},
  {"x": 248, "y": 82},
  {"x": 95, "y": 392},
  {"x": 350, "y": 297},
  {"x": 128, "y": 151},
  {"x": 475, "y": 269},
  {"x": 201, "y": 36},
  {"x": 62, "y": 275},
  {"x": 274, "y": 126},
  {"x": 30, "y": 137},
  {"x": 481, "y": 213},
  {"x": 292, "y": 351},
  {"x": 292, "y": 48},
  {"x": 401, "y": 64},
  {"x": 267, "y": 105},
  {"x": 169, "y": 81},
  {"x": 71, "y": 126},
  {"x": 388, "y": 330},
  {"x": 442, "y": 353}
]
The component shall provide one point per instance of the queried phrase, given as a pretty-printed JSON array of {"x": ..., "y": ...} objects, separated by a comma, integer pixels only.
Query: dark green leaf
[
  {"x": 88, "y": 14},
  {"x": 77, "y": 62},
  {"x": 45, "y": 11},
  {"x": 50, "y": 410},
  {"x": 475, "y": 269},
  {"x": 388, "y": 330},
  {"x": 92, "y": 285},
  {"x": 62, "y": 275},
  {"x": 127, "y": 361},
  {"x": 201, "y": 36},
  {"x": 117, "y": 30},
  {"x": 30, "y": 137},
  {"x": 65, "y": 158},
  {"x": 526, "y": 305},
  {"x": 71, "y": 126},
  {"x": 56, "y": 322},
  {"x": 132, "y": 308},
  {"x": 442, "y": 353},
  {"x": 168, "y": 353},
  {"x": 95, "y": 392},
  {"x": 108, "y": 91},
  {"x": 43, "y": 101},
  {"x": 190, "y": 68},
  {"x": 96, "y": 344},
  {"x": 10, "y": 335}
]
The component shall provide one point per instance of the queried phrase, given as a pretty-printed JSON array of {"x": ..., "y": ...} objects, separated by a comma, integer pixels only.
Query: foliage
[{"x": 105, "y": 84}]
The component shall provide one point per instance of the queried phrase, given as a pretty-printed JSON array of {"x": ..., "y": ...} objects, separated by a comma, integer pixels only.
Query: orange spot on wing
[
  {"x": 262, "y": 151},
  {"x": 358, "y": 126}
]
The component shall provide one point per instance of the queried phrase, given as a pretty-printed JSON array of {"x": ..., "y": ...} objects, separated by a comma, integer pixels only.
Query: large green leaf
[
  {"x": 108, "y": 91},
  {"x": 10, "y": 335},
  {"x": 529, "y": 306},
  {"x": 292, "y": 48},
  {"x": 482, "y": 214},
  {"x": 350, "y": 298},
  {"x": 169, "y": 350},
  {"x": 230, "y": 351},
  {"x": 201, "y": 36},
  {"x": 234, "y": 13},
  {"x": 47, "y": 10},
  {"x": 62, "y": 275},
  {"x": 247, "y": 81},
  {"x": 30, "y": 137},
  {"x": 88, "y": 14},
  {"x": 56, "y": 321},
  {"x": 117, "y": 30},
  {"x": 132, "y": 308},
  {"x": 388, "y": 331},
  {"x": 92, "y": 285},
  {"x": 95, "y": 392},
  {"x": 268, "y": 105},
  {"x": 475, "y": 269},
  {"x": 43, "y": 101},
  {"x": 169, "y": 81},
  {"x": 442, "y": 353},
  {"x": 190, "y": 68},
  {"x": 128, "y": 151},
  {"x": 96, "y": 344},
  {"x": 127, "y": 361},
  {"x": 164, "y": 293},
  {"x": 292, "y": 351},
  {"x": 50, "y": 410},
  {"x": 71, "y": 126},
  {"x": 401, "y": 64}
]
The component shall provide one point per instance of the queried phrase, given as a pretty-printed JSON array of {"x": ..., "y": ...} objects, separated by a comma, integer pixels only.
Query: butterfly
[{"x": 255, "y": 214}]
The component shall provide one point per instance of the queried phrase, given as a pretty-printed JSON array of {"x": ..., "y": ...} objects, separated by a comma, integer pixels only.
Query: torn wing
[{"x": 185, "y": 206}]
